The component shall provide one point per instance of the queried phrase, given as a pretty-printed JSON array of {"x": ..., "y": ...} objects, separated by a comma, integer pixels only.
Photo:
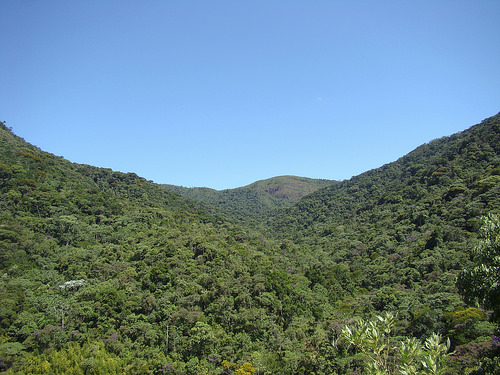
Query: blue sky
[{"x": 224, "y": 93}]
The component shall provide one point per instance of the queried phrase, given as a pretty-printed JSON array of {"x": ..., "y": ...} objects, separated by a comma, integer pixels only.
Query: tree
[
  {"x": 480, "y": 284},
  {"x": 384, "y": 356},
  {"x": 246, "y": 369}
]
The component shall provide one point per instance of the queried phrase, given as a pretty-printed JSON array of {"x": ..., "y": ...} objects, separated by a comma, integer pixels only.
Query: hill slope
[
  {"x": 106, "y": 272},
  {"x": 402, "y": 231},
  {"x": 256, "y": 199},
  {"x": 463, "y": 168}
]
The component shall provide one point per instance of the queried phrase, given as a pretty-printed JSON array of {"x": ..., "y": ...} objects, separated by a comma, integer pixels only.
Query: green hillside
[
  {"x": 249, "y": 202},
  {"x": 103, "y": 272}
]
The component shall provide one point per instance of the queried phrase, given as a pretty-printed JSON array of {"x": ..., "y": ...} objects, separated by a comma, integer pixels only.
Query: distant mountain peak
[{"x": 258, "y": 197}]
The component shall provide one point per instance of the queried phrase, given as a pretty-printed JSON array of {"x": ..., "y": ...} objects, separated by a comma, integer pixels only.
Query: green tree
[
  {"x": 246, "y": 369},
  {"x": 374, "y": 338},
  {"x": 480, "y": 284}
]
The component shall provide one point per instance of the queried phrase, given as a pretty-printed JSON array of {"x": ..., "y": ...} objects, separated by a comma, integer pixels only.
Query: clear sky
[{"x": 223, "y": 93}]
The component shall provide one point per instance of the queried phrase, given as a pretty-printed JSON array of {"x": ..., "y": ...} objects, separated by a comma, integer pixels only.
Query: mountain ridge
[
  {"x": 257, "y": 198},
  {"x": 476, "y": 147}
]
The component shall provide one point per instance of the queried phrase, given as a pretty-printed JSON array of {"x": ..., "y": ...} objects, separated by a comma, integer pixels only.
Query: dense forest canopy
[{"x": 104, "y": 272}]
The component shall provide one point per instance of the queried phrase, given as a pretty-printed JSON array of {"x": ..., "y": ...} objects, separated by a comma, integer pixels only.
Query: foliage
[
  {"x": 481, "y": 283},
  {"x": 245, "y": 369},
  {"x": 374, "y": 338}
]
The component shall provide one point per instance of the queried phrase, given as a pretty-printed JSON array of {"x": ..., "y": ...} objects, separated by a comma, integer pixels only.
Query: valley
[{"x": 104, "y": 272}]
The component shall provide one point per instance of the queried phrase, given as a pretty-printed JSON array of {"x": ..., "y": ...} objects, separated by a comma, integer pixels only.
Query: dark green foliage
[
  {"x": 481, "y": 283},
  {"x": 105, "y": 272}
]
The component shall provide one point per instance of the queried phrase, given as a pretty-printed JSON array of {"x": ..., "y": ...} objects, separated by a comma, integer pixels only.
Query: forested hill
[
  {"x": 454, "y": 180},
  {"x": 254, "y": 200},
  {"x": 105, "y": 265},
  {"x": 30, "y": 177},
  {"x": 402, "y": 231},
  {"x": 104, "y": 272}
]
